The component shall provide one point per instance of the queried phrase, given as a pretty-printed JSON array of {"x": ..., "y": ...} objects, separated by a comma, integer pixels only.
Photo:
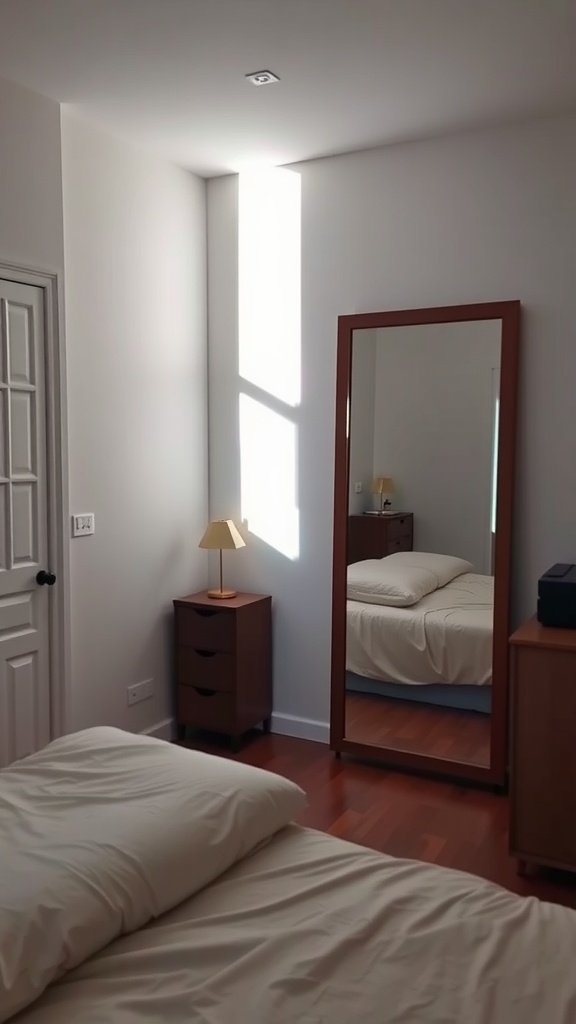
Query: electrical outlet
[
  {"x": 358, "y": 488},
  {"x": 139, "y": 691},
  {"x": 83, "y": 524}
]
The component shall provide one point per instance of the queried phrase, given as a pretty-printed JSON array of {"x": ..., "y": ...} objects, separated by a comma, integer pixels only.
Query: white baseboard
[
  {"x": 283, "y": 725},
  {"x": 303, "y": 728},
  {"x": 164, "y": 730}
]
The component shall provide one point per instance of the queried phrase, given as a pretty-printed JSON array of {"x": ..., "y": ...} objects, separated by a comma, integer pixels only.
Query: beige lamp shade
[
  {"x": 220, "y": 534},
  {"x": 383, "y": 485}
]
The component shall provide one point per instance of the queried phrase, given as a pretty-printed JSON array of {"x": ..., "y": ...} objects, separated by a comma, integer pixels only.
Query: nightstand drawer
[
  {"x": 403, "y": 543},
  {"x": 223, "y": 663},
  {"x": 207, "y": 629},
  {"x": 212, "y": 669},
  {"x": 400, "y": 528},
  {"x": 207, "y": 708}
]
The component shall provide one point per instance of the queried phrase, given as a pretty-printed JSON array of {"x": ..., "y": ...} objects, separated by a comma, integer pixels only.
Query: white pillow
[
  {"x": 102, "y": 831},
  {"x": 402, "y": 579},
  {"x": 444, "y": 567}
]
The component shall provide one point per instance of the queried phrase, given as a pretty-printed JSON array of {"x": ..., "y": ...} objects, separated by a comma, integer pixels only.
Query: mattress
[
  {"x": 445, "y": 638},
  {"x": 314, "y": 930}
]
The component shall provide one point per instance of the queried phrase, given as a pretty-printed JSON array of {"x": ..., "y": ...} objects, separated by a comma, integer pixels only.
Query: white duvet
[
  {"x": 102, "y": 829},
  {"x": 445, "y": 638},
  {"x": 313, "y": 930}
]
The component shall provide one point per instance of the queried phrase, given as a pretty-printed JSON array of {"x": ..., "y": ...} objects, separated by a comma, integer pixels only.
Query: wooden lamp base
[{"x": 221, "y": 595}]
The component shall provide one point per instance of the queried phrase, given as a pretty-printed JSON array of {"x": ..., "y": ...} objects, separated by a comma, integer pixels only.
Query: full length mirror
[{"x": 424, "y": 537}]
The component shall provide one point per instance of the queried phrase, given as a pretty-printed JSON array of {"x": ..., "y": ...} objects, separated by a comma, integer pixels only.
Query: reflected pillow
[{"x": 402, "y": 579}]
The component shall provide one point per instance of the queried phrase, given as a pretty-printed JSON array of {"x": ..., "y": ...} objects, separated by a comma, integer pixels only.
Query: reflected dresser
[{"x": 377, "y": 536}]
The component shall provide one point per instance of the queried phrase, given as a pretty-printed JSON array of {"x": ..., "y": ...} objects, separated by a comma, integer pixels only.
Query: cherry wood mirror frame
[{"x": 509, "y": 315}]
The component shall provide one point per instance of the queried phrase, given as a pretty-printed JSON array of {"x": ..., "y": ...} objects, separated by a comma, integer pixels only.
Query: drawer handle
[
  {"x": 206, "y": 613},
  {"x": 204, "y": 654},
  {"x": 203, "y": 692}
]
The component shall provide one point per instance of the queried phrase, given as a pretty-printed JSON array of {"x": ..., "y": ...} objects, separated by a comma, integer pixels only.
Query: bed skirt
[{"x": 445, "y": 695}]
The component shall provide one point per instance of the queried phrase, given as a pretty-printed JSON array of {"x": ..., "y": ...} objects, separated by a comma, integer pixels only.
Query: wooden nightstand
[
  {"x": 378, "y": 536},
  {"x": 543, "y": 747},
  {"x": 223, "y": 663}
]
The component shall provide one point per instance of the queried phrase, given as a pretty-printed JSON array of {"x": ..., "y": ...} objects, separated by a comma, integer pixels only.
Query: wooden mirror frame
[{"x": 509, "y": 314}]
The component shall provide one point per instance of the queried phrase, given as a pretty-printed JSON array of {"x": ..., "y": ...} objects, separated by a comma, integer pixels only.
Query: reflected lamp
[{"x": 383, "y": 486}]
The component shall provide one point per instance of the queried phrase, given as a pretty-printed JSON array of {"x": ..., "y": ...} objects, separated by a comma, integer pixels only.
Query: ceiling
[{"x": 354, "y": 73}]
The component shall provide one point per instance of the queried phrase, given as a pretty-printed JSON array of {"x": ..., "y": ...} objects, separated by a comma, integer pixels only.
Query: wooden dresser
[
  {"x": 223, "y": 663},
  {"x": 377, "y": 536},
  {"x": 543, "y": 746}
]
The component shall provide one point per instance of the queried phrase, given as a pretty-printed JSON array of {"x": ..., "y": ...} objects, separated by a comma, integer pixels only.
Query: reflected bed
[{"x": 444, "y": 641}]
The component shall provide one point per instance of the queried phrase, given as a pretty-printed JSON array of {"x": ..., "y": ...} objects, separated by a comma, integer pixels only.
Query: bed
[
  {"x": 436, "y": 646},
  {"x": 270, "y": 923}
]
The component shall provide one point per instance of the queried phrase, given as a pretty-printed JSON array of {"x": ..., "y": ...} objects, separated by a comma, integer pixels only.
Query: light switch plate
[
  {"x": 83, "y": 524},
  {"x": 358, "y": 488}
]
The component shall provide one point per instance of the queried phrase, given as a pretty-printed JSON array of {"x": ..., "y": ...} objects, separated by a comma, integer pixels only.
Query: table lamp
[
  {"x": 220, "y": 534},
  {"x": 383, "y": 485}
]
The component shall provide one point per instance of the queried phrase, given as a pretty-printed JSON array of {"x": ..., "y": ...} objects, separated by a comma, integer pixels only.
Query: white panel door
[{"x": 24, "y": 605}]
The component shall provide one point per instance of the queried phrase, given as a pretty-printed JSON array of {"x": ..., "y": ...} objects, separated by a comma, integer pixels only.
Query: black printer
[{"x": 557, "y": 596}]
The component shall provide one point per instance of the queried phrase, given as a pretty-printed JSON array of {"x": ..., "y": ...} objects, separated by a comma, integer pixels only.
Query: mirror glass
[{"x": 423, "y": 442}]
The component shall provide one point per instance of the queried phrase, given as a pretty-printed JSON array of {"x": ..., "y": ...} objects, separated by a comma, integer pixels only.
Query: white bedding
[
  {"x": 445, "y": 638},
  {"x": 102, "y": 831},
  {"x": 313, "y": 930}
]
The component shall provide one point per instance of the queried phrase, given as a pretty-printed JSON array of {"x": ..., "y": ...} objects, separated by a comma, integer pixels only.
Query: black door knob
[{"x": 44, "y": 578}]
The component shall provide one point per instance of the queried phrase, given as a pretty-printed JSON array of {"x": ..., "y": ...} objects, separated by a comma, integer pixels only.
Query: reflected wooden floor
[
  {"x": 418, "y": 728},
  {"x": 402, "y": 815}
]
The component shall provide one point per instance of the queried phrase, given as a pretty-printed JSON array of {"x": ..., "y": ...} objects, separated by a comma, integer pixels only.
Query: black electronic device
[{"x": 557, "y": 596}]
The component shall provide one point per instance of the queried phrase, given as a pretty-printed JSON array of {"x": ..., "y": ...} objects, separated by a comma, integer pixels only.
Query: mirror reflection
[{"x": 423, "y": 440}]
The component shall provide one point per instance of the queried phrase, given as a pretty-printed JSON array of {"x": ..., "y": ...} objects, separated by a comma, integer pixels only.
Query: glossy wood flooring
[
  {"x": 419, "y": 728},
  {"x": 399, "y": 814}
]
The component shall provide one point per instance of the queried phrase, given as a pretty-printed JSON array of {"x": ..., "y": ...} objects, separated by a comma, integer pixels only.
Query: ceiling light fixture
[{"x": 262, "y": 77}]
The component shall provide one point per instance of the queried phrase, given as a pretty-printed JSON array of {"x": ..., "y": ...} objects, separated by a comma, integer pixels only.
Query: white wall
[
  {"x": 471, "y": 218},
  {"x": 434, "y": 430},
  {"x": 135, "y": 322},
  {"x": 30, "y": 180},
  {"x": 362, "y": 421}
]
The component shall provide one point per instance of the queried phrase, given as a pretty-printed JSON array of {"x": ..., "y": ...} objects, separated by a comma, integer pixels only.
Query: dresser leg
[
  {"x": 180, "y": 732},
  {"x": 235, "y": 744},
  {"x": 266, "y": 724}
]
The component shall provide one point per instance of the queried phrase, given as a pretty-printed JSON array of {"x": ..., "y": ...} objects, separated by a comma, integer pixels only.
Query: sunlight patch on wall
[
  {"x": 269, "y": 343},
  {"x": 268, "y": 475},
  {"x": 269, "y": 276}
]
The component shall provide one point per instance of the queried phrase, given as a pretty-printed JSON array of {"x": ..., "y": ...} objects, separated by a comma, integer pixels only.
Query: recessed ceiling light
[{"x": 262, "y": 77}]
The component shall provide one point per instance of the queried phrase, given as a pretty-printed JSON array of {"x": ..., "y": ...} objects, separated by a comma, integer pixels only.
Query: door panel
[
  {"x": 24, "y": 523},
  {"x": 4, "y": 527},
  {"x": 24, "y": 606},
  {"x": 20, "y": 337},
  {"x": 22, "y": 434}
]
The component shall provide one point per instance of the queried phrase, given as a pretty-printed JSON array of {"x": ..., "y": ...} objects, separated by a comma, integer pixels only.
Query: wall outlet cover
[{"x": 139, "y": 691}]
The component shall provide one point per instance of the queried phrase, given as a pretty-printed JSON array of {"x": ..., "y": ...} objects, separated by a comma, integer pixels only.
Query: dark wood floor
[
  {"x": 399, "y": 814},
  {"x": 419, "y": 728}
]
